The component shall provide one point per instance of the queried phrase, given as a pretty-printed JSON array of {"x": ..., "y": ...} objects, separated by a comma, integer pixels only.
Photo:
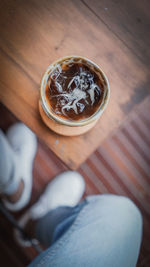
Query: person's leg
[
  {"x": 55, "y": 223},
  {"x": 105, "y": 231},
  {"x": 60, "y": 195},
  {"x": 9, "y": 173},
  {"x": 17, "y": 152}
]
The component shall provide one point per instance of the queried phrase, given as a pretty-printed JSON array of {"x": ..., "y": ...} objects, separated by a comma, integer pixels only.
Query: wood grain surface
[
  {"x": 128, "y": 20},
  {"x": 35, "y": 33}
]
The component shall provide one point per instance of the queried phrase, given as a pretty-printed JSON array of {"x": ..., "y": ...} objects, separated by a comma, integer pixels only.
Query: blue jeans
[{"x": 103, "y": 230}]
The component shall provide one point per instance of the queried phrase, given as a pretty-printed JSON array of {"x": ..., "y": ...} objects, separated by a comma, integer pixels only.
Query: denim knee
[
  {"x": 123, "y": 208},
  {"x": 125, "y": 204}
]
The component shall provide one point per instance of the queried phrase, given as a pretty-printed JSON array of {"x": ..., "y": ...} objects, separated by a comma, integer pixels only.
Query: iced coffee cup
[{"x": 73, "y": 95}]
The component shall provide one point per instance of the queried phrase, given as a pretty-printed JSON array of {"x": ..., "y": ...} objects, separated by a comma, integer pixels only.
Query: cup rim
[{"x": 63, "y": 121}]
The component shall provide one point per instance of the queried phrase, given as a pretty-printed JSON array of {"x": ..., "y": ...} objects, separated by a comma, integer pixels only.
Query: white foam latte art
[{"x": 81, "y": 90}]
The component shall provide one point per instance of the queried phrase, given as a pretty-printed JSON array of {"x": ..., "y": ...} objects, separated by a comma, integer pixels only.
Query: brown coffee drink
[
  {"x": 74, "y": 91},
  {"x": 73, "y": 95}
]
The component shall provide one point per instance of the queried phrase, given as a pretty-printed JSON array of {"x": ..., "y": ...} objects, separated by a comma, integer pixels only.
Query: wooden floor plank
[
  {"x": 135, "y": 154},
  {"x": 131, "y": 158},
  {"x": 128, "y": 20}
]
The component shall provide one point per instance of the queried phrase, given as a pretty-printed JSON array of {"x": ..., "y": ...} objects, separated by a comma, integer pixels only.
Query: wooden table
[{"x": 34, "y": 33}]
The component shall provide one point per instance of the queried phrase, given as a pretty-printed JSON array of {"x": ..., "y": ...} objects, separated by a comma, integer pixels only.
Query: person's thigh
[{"x": 107, "y": 233}]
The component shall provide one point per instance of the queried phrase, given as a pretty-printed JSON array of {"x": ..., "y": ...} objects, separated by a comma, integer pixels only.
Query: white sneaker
[
  {"x": 24, "y": 143},
  {"x": 65, "y": 190}
]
